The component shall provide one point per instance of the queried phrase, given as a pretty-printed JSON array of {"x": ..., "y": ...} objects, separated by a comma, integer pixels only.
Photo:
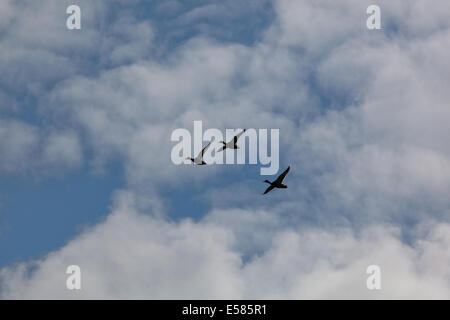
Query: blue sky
[
  {"x": 85, "y": 174},
  {"x": 41, "y": 214}
]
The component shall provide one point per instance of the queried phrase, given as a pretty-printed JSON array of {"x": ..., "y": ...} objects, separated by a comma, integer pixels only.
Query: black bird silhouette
[{"x": 277, "y": 183}]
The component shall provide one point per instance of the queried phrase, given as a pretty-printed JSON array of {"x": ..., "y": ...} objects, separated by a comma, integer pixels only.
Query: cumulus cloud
[
  {"x": 26, "y": 149},
  {"x": 132, "y": 255},
  {"x": 63, "y": 149},
  {"x": 364, "y": 124}
]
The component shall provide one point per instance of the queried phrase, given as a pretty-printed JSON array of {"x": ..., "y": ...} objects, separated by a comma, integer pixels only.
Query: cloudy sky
[{"x": 86, "y": 118}]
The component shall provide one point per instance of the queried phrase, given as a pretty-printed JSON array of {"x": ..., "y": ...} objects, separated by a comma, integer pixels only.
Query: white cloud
[
  {"x": 364, "y": 124},
  {"x": 136, "y": 256}
]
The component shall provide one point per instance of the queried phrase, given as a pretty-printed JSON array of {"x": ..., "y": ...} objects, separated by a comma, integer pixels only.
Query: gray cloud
[{"x": 27, "y": 149}]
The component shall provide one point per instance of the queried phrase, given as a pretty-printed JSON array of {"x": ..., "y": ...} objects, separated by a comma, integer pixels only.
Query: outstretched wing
[
  {"x": 205, "y": 148},
  {"x": 236, "y": 137},
  {"x": 222, "y": 148},
  {"x": 269, "y": 188},
  {"x": 281, "y": 177}
]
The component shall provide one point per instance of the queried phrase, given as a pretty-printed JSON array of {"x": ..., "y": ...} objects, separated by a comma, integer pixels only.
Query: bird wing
[
  {"x": 236, "y": 137},
  {"x": 222, "y": 148},
  {"x": 269, "y": 188},
  {"x": 281, "y": 177},
  {"x": 205, "y": 148}
]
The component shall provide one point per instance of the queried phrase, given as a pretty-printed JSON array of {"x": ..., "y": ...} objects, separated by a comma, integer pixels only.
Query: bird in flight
[
  {"x": 232, "y": 144},
  {"x": 277, "y": 183},
  {"x": 199, "y": 159}
]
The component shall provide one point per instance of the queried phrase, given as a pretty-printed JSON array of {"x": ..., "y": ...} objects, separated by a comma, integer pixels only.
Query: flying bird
[
  {"x": 277, "y": 183},
  {"x": 232, "y": 144},
  {"x": 199, "y": 159}
]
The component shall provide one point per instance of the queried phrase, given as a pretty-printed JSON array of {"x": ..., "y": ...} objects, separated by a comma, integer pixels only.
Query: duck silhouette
[{"x": 278, "y": 183}]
